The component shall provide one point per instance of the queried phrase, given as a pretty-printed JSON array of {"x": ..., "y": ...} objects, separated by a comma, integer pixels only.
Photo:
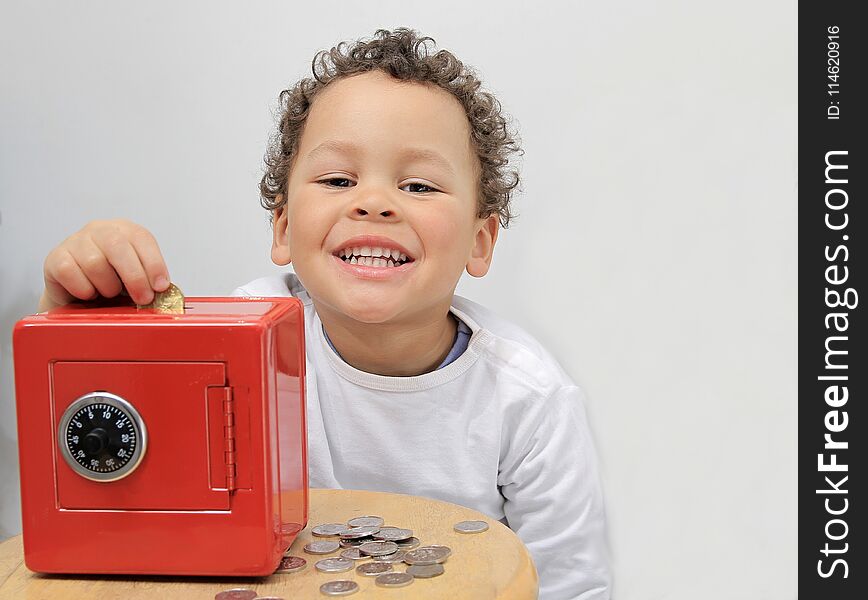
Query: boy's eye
[
  {"x": 428, "y": 187},
  {"x": 330, "y": 181}
]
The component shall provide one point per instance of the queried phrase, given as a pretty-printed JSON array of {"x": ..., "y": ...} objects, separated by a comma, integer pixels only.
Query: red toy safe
[{"x": 154, "y": 443}]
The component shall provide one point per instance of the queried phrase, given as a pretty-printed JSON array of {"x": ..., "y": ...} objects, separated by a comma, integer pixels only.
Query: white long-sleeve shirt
[{"x": 501, "y": 429}]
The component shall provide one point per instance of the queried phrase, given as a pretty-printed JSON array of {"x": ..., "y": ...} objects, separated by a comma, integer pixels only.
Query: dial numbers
[{"x": 101, "y": 438}]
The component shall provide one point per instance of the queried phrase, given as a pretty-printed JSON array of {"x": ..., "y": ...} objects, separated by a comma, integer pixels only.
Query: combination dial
[{"x": 102, "y": 437}]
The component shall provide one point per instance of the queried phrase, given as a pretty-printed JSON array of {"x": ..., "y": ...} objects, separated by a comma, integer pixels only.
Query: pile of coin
[
  {"x": 364, "y": 538},
  {"x": 367, "y": 539},
  {"x": 387, "y": 548}
]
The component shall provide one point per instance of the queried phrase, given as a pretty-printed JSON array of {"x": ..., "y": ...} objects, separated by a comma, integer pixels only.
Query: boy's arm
[{"x": 554, "y": 500}]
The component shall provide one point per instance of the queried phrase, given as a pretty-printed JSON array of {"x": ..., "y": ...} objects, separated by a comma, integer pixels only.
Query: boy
[{"x": 383, "y": 184}]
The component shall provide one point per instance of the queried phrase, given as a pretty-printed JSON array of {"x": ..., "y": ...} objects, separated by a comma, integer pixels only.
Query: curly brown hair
[{"x": 403, "y": 55}]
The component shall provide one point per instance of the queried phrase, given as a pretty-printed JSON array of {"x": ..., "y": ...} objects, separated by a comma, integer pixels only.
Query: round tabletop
[{"x": 491, "y": 564}]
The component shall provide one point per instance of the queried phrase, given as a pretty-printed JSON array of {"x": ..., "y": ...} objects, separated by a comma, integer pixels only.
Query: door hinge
[{"x": 229, "y": 438}]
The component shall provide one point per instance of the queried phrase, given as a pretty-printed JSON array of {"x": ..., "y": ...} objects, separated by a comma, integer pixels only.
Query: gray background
[{"x": 655, "y": 254}]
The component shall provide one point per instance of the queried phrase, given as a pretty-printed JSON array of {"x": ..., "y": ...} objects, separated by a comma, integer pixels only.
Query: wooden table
[{"x": 493, "y": 564}]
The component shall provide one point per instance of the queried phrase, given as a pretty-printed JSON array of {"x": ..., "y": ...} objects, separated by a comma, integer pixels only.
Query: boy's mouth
[
  {"x": 371, "y": 250},
  {"x": 373, "y": 256}
]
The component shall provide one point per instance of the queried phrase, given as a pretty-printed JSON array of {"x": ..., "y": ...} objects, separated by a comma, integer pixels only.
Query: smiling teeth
[
  {"x": 376, "y": 253},
  {"x": 371, "y": 262}
]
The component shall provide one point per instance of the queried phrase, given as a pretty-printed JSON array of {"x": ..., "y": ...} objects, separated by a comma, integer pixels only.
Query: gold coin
[{"x": 169, "y": 301}]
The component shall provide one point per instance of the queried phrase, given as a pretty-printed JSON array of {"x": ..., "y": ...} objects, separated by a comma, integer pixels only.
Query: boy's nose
[
  {"x": 373, "y": 202},
  {"x": 362, "y": 212}
]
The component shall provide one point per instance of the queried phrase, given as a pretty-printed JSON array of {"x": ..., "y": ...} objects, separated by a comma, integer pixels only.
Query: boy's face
[{"x": 378, "y": 189}]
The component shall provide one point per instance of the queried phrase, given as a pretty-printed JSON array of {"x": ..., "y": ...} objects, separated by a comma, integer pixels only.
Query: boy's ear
[
  {"x": 280, "y": 244},
  {"x": 483, "y": 246}
]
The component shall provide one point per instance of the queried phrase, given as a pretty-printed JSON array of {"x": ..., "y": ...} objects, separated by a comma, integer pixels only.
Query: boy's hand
[{"x": 102, "y": 259}]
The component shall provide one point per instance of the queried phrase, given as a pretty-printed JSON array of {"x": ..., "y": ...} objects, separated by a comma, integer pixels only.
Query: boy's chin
[
  {"x": 361, "y": 307},
  {"x": 370, "y": 313}
]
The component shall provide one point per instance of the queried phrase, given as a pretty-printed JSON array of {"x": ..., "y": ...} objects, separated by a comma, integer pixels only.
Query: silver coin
[
  {"x": 425, "y": 571},
  {"x": 413, "y": 542},
  {"x": 370, "y": 521},
  {"x": 471, "y": 527},
  {"x": 334, "y": 565},
  {"x": 360, "y": 531},
  {"x": 427, "y": 555},
  {"x": 355, "y": 543},
  {"x": 394, "y": 579},
  {"x": 329, "y": 530},
  {"x": 378, "y": 548},
  {"x": 393, "y": 534},
  {"x": 373, "y": 569},
  {"x": 354, "y": 554},
  {"x": 395, "y": 557},
  {"x": 323, "y": 547},
  {"x": 291, "y": 564},
  {"x": 446, "y": 549},
  {"x": 341, "y": 587},
  {"x": 236, "y": 594}
]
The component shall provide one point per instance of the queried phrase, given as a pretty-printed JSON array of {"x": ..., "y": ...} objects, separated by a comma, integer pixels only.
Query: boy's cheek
[
  {"x": 307, "y": 224},
  {"x": 446, "y": 234}
]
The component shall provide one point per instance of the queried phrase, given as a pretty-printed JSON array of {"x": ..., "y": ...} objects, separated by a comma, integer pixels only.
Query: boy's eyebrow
[{"x": 341, "y": 147}]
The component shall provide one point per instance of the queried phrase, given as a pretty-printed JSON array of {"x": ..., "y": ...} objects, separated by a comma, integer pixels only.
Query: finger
[
  {"x": 151, "y": 258},
  {"x": 124, "y": 261},
  {"x": 95, "y": 266},
  {"x": 64, "y": 279}
]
